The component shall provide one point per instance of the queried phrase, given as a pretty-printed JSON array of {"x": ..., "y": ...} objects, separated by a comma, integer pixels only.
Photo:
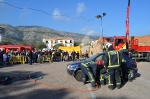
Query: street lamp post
[{"x": 99, "y": 16}]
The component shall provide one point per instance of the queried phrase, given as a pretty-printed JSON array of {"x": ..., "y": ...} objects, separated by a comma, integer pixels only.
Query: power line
[{"x": 48, "y": 13}]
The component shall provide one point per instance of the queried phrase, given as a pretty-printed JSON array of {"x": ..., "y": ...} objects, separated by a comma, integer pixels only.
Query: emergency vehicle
[{"x": 135, "y": 51}]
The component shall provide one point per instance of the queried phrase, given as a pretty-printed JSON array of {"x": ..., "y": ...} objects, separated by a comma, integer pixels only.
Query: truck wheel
[{"x": 78, "y": 75}]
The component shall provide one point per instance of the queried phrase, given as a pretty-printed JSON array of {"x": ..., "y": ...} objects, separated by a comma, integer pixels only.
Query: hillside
[{"x": 35, "y": 34}]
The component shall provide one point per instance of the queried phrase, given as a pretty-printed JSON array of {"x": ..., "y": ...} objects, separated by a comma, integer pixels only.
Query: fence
[{"x": 23, "y": 59}]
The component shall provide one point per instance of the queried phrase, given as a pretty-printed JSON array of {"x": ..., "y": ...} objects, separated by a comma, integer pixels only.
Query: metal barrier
[
  {"x": 23, "y": 59},
  {"x": 17, "y": 59},
  {"x": 46, "y": 58}
]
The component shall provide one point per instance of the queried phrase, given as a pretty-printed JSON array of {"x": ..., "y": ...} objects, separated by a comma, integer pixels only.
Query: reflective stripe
[
  {"x": 114, "y": 66},
  {"x": 90, "y": 62},
  {"x": 109, "y": 81},
  {"x": 84, "y": 65},
  {"x": 123, "y": 60},
  {"x": 101, "y": 78},
  {"x": 92, "y": 80},
  {"x": 110, "y": 65},
  {"x": 118, "y": 83}
]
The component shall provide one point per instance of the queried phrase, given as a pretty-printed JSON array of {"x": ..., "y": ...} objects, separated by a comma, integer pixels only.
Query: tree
[
  {"x": 40, "y": 45},
  {"x": 56, "y": 46},
  {"x": 77, "y": 43},
  {"x": 6, "y": 42},
  {"x": 24, "y": 43}
]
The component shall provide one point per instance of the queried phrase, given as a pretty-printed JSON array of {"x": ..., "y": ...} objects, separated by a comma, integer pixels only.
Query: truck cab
[{"x": 118, "y": 42}]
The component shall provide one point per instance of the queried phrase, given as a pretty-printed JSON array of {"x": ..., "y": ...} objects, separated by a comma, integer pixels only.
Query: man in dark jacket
[
  {"x": 112, "y": 63},
  {"x": 30, "y": 57}
]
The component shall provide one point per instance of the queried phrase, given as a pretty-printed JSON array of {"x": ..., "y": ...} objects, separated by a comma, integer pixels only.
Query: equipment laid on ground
[
  {"x": 132, "y": 46},
  {"x": 5, "y": 80}
]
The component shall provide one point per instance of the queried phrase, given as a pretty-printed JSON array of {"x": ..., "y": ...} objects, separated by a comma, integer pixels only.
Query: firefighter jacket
[
  {"x": 112, "y": 59},
  {"x": 90, "y": 65}
]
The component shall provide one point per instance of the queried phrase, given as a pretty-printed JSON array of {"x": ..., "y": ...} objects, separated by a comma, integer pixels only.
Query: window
[
  {"x": 65, "y": 41},
  {"x": 47, "y": 42},
  {"x": 99, "y": 57},
  {"x": 119, "y": 41},
  {"x": 70, "y": 41}
]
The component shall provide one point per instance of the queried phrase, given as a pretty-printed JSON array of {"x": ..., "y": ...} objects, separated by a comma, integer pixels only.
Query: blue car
[{"x": 74, "y": 69}]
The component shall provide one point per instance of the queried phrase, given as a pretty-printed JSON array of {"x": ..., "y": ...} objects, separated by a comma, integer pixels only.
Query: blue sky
[{"x": 113, "y": 23}]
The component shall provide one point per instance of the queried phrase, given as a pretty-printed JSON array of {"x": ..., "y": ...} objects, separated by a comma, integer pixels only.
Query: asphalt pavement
[{"x": 54, "y": 83}]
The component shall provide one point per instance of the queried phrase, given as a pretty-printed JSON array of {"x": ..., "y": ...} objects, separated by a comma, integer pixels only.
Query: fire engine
[{"x": 135, "y": 51}]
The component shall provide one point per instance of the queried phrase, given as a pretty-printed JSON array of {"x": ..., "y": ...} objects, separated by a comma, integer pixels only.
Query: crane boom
[{"x": 127, "y": 22}]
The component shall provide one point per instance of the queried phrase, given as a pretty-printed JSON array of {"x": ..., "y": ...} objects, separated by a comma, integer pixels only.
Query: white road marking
[{"x": 91, "y": 93}]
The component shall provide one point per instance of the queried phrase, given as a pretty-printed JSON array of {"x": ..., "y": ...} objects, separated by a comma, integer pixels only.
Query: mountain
[{"x": 35, "y": 34}]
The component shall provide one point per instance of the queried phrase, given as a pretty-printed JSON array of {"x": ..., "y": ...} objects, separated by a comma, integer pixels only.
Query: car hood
[{"x": 79, "y": 62}]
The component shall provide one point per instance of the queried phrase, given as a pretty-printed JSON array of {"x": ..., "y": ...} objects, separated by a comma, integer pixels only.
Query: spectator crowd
[{"x": 37, "y": 56}]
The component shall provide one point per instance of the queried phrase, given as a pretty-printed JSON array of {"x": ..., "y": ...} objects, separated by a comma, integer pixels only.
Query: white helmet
[{"x": 108, "y": 45}]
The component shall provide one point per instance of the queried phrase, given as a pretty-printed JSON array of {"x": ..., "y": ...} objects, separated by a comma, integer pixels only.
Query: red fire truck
[{"x": 123, "y": 43}]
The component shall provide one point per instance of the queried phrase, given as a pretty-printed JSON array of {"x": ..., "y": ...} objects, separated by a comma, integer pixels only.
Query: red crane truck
[{"x": 123, "y": 43}]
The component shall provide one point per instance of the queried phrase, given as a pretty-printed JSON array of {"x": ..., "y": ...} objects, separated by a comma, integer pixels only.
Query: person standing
[
  {"x": 30, "y": 57},
  {"x": 112, "y": 63},
  {"x": 5, "y": 57},
  {"x": 86, "y": 54},
  {"x": 73, "y": 55}
]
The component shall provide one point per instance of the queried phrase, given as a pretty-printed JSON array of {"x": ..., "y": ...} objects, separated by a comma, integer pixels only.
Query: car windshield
[{"x": 92, "y": 57}]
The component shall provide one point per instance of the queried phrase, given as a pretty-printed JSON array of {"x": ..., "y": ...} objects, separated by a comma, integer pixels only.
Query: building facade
[{"x": 51, "y": 42}]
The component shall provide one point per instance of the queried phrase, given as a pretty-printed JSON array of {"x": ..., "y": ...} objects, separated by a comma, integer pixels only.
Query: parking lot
[{"x": 55, "y": 83}]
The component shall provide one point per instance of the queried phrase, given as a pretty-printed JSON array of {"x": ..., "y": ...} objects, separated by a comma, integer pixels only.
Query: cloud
[
  {"x": 88, "y": 31},
  {"x": 25, "y": 12},
  {"x": 58, "y": 16},
  {"x": 80, "y": 8}
]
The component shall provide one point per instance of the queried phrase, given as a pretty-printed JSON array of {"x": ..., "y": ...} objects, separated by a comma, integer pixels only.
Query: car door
[{"x": 101, "y": 58}]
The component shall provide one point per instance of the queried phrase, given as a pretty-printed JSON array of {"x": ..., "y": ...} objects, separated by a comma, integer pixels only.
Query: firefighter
[
  {"x": 89, "y": 70},
  {"x": 112, "y": 63}
]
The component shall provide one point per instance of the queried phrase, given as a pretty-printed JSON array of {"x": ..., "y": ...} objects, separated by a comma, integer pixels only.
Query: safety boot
[
  {"x": 118, "y": 86},
  {"x": 111, "y": 87}
]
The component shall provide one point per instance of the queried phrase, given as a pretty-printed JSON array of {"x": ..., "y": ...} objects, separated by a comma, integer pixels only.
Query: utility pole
[{"x": 100, "y": 16}]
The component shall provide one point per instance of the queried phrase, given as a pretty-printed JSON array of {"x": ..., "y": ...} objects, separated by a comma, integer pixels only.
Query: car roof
[{"x": 123, "y": 54}]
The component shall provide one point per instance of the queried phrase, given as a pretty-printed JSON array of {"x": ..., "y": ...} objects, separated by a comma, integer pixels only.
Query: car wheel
[
  {"x": 78, "y": 75},
  {"x": 131, "y": 75}
]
